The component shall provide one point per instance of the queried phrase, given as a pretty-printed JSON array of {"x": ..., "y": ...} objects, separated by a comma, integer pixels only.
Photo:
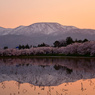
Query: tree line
[
  {"x": 74, "y": 49},
  {"x": 57, "y": 43},
  {"x": 68, "y": 41}
]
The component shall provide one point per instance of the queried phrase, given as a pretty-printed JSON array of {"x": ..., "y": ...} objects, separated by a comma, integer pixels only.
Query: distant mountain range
[{"x": 38, "y": 33}]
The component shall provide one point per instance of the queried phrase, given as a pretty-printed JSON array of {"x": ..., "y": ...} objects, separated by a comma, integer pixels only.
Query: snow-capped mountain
[
  {"x": 38, "y": 33},
  {"x": 5, "y": 31},
  {"x": 44, "y": 28}
]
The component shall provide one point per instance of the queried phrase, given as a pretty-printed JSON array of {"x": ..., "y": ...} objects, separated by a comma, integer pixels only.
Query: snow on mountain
[
  {"x": 44, "y": 28},
  {"x": 2, "y": 29},
  {"x": 38, "y": 33},
  {"x": 5, "y": 31},
  {"x": 49, "y": 28}
]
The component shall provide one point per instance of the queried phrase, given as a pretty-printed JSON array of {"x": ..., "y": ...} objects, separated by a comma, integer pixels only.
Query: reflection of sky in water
[
  {"x": 81, "y": 87},
  {"x": 69, "y": 76}
]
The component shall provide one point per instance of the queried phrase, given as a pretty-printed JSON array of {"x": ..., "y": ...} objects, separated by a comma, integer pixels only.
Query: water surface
[{"x": 47, "y": 76}]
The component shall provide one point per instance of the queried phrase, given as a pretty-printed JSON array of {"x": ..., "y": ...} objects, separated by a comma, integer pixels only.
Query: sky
[{"x": 79, "y": 13}]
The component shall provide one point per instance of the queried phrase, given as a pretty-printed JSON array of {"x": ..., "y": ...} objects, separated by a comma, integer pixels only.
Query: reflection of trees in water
[
  {"x": 58, "y": 67},
  {"x": 86, "y": 64},
  {"x": 47, "y": 71}
]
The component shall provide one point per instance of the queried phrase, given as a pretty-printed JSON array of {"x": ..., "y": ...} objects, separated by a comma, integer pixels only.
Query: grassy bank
[{"x": 49, "y": 56}]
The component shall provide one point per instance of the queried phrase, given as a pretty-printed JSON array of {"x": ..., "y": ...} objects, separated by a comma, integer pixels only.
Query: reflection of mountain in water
[{"x": 46, "y": 73}]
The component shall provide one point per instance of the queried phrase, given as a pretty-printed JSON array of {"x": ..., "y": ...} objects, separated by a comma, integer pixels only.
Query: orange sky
[{"x": 79, "y": 13}]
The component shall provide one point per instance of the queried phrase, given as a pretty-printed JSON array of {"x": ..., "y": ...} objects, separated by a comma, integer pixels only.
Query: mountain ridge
[
  {"x": 38, "y": 33},
  {"x": 40, "y": 27}
]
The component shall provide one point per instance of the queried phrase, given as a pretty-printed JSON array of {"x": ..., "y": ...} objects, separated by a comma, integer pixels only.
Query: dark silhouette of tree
[
  {"x": 79, "y": 41},
  {"x": 57, "y": 67},
  {"x": 69, "y": 40},
  {"x": 19, "y": 47},
  {"x": 85, "y": 40},
  {"x": 5, "y": 47},
  {"x": 56, "y": 44},
  {"x": 27, "y": 46},
  {"x": 23, "y": 47},
  {"x": 42, "y": 45}
]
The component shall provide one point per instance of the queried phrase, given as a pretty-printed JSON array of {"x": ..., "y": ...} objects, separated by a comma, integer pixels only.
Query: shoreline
[{"x": 47, "y": 56}]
